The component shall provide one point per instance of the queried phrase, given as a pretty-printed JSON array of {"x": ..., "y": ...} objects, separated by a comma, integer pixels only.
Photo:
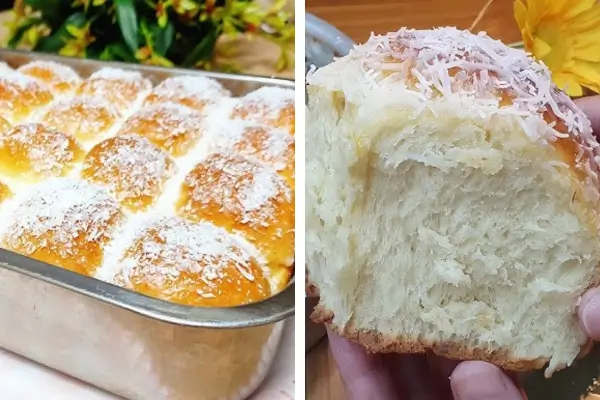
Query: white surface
[{"x": 25, "y": 380}]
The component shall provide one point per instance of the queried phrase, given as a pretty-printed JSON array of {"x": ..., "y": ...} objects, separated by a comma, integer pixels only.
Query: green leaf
[
  {"x": 121, "y": 52},
  {"x": 20, "y": 32},
  {"x": 54, "y": 42},
  {"x": 163, "y": 38},
  {"x": 52, "y": 11},
  {"x": 203, "y": 50},
  {"x": 128, "y": 22}
]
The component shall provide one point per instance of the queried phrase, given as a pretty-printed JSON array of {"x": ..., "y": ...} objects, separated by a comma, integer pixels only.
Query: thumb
[
  {"x": 365, "y": 376},
  {"x": 477, "y": 380}
]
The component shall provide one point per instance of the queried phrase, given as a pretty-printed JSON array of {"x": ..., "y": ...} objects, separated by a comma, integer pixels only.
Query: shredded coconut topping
[
  {"x": 85, "y": 118},
  {"x": 170, "y": 126},
  {"x": 269, "y": 105},
  {"x": 270, "y": 96},
  {"x": 111, "y": 213},
  {"x": 449, "y": 62},
  {"x": 190, "y": 263},
  {"x": 121, "y": 88},
  {"x": 235, "y": 186},
  {"x": 110, "y": 73},
  {"x": 55, "y": 74},
  {"x": 21, "y": 82},
  {"x": 38, "y": 151},
  {"x": 61, "y": 215},
  {"x": 191, "y": 91},
  {"x": 271, "y": 146},
  {"x": 5, "y": 69},
  {"x": 455, "y": 65},
  {"x": 132, "y": 169},
  {"x": 21, "y": 95},
  {"x": 168, "y": 245}
]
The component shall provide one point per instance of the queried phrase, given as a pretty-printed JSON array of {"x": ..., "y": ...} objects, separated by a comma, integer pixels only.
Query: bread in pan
[
  {"x": 22, "y": 96},
  {"x": 269, "y": 105},
  {"x": 121, "y": 88},
  {"x": 243, "y": 195},
  {"x": 62, "y": 221},
  {"x": 453, "y": 201},
  {"x": 92, "y": 170},
  {"x": 194, "y": 264},
  {"x": 60, "y": 78},
  {"x": 273, "y": 147},
  {"x": 32, "y": 152},
  {"x": 88, "y": 119},
  {"x": 171, "y": 126},
  {"x": 196, "y": 92},
  {"x": 131, "y": 168}
]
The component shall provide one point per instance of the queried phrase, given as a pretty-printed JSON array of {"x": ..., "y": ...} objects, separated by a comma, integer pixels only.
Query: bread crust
[
  {"x": 376, "y": 342},
  {"x": 310, "y": 288}
]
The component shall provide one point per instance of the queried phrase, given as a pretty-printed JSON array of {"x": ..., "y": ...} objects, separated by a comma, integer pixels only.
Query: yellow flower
[
  {"x": 565, "y": 35},
  {"x": 81, "y": 39},
  {"x": 86, "y": 3},
  {"x": 185, "y": 6},
  {"x": 147, "y": 56},
  {"x": 33, "y": 35}
]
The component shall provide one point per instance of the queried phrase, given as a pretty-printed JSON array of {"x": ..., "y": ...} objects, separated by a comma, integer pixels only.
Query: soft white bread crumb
[{"x": 451, "y": 200}]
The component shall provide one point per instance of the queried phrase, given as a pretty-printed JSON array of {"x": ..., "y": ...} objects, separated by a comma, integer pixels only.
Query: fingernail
[
  {"x": 476, "y": 380},
  {"x": 589, "y": 313}
]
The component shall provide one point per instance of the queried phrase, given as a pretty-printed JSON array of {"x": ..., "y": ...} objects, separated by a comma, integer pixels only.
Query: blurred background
[
  {"x": 358, "y": 18},
  {"x": 253, "y": 37}
]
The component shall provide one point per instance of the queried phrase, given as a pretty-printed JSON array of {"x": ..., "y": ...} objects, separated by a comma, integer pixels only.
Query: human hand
[{"x": 424, "y": 377}]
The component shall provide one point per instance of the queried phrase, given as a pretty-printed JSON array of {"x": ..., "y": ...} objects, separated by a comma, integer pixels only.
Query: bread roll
[
  {"x": 92, "y": 169},
  {"x": 245, "y": 196},
  {"x": 171, "y": 126},
  {"x": 191, "y": 264},
  {"x": 196, "y": 92},
  {"x": 452, "y": 201},
  {"x": 60, "y": 78},
  {"x": 268, "y": 105}
]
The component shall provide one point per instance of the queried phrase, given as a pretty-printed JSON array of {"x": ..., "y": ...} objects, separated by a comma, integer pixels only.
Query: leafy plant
[{"x": 157, "y": 32}]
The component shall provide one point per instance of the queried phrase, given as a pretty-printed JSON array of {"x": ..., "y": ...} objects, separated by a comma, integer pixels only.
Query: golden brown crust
[
  {"x": 310, "y": 288},
  {"x": 375, "y": 342}
]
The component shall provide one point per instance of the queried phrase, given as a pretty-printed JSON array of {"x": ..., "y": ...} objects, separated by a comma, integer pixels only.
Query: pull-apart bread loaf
[{"x": 452, "y": 201}]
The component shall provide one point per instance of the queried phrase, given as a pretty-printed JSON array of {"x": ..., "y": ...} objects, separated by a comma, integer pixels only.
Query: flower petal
[
  {"x": 520, "y": 11},
  {"x": 588, "y": 74},
  {"x": 568, "y": 83},
  {"x": 536, "y": 10},
  {"x": 577, "y": 7},
  {"x": 586, "y": 49},
  {"x": 540, "y": 48},
  {"x": 587, "y": 21}
]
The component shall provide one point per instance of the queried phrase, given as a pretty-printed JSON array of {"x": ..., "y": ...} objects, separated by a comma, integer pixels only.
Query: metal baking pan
[{"x": 127, "y": 343}]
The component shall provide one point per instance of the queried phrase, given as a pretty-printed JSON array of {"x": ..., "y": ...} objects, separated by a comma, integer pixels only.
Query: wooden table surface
[{"x": 357, "y": 19}]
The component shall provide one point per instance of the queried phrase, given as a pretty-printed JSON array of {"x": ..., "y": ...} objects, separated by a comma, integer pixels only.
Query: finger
[
  {"x": 365, "y": 376},
  {"x": 414, "y": 375},
  {"x": 591, "y": 107},
  {"x": 442, "y": 366},
  {"x": 442, "y": 369},
  {"x": 589, "y": 313},
  {"x": 477, "y": 380}
]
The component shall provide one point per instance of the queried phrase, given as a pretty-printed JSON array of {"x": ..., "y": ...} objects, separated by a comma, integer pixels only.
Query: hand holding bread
[
  {"x": 385, "y": 378},
  {"x": 404, "y": 377},
  {"x": 453, "y": 208}
]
